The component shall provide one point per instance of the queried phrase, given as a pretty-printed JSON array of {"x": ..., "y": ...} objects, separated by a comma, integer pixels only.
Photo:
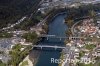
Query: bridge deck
[
  {"x": 54, "y": 36},
  {"x": 48, "y": 46}
]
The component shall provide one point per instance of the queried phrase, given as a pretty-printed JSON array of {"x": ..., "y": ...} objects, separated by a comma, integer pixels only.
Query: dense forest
[
  {"x": 12, "y": 10},
  {"x": 83, "y": 10}
]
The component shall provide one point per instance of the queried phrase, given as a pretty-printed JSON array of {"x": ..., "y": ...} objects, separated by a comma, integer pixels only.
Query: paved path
[{"x": 72, "y": 28}]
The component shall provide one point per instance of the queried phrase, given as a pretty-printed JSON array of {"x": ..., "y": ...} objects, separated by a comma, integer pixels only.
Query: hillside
[{"x": 12, "y": 10}]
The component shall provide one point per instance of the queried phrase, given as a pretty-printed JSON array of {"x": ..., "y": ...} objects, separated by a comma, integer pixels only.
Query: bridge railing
[
  {"x": 49, "y": 46},
  {"x": 54, "y": 36}
]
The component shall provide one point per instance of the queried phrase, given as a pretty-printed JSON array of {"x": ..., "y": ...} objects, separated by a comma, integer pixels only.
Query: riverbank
[
  {"x": 34, "y": 56},
  {"x": 26, "y": 62},
  {"x": 31, "y": 59}
]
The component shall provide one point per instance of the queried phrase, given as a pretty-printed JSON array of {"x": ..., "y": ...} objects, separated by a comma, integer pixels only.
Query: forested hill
[{"x": 12, "y": 10}]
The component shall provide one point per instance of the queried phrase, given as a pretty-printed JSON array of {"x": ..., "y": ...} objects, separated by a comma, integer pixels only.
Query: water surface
[{"x": 56, "y": 27}]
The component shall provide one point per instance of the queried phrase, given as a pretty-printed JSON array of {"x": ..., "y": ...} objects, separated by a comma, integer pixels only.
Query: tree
[
  {"x": 90, "y": 46},
  {"x": 70, "y": 22},
  {"x": 68, "y": 32},
  {"x": 30, "y": 37},
  {"x": 2, "y": 64},
  {"x": 92, "y": 13},
  {"x": 17, "y": 55}
]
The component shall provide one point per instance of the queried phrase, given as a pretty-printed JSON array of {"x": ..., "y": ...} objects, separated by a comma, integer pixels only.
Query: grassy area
[
  {"x": 30, "y": 37},
  {"x": 81, "y": 54},
  {"x": 2, "y": 64},
  {"x": 99, "y": 63},
  {"x": 90, "y": 46},
  {"x": 17, "y": 55},
  {"x": 24, "y": 63}
]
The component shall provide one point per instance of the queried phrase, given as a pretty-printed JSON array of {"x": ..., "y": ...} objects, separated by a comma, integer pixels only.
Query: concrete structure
[
  {"x": 48, "y": 46},
  {"x": 58, "y": 37}
]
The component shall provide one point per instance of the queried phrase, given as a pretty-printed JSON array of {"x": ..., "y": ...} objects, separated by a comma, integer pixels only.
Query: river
[{"x": 56, "y": 27}]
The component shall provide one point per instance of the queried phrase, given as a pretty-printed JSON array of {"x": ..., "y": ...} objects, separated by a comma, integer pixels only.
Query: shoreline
[
  {"x": 34, "y": 56},
  {"x": 31, "y": 58},
  {"x": 28, "y": 60}
]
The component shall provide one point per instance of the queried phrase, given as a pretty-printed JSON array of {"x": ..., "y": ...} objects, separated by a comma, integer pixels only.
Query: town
[{"x": 80, "y": 44}]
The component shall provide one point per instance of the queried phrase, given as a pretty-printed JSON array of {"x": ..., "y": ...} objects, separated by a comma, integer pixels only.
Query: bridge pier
[
  {"x": 41, "y": 48},
  {"x": 55, "y": 47},
  {"x": 47, "y": 38},
  {"x": 60, "y": 39}
]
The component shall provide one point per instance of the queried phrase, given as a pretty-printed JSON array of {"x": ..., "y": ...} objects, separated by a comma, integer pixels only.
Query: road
[
  {"x": 19, "y": 21},
  {"x": 42, "y": 22},
  {"x": 36, "y": 9},
  {"x": 11, "y": 26},
  {"x": 72, "y": 28}
]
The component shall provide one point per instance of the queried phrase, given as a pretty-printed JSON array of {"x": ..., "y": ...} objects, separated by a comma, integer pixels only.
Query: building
[{"x": 6, "y": 45}]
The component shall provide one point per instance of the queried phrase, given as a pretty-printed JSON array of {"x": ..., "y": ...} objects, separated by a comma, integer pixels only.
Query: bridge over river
[
  {"x": 49, "y": 46},
  {"x": 59, "y": 37}
]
